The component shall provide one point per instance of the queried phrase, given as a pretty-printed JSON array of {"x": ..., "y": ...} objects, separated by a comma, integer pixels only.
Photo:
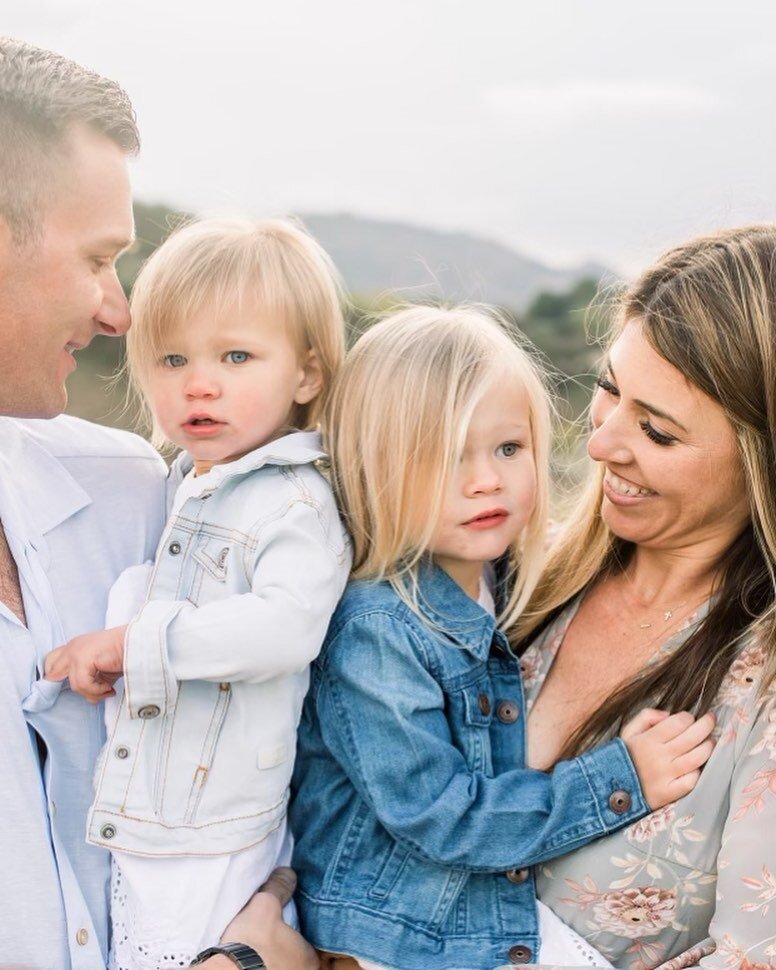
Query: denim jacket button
[
  {"x": 507, "y": 712},
  {"x": 484, "y": 702},
  {"x": 122, "y": 752},
  {"x": 108, "y": 831},
  {"x": 174, "y": 548},
  {"x": 519, "y": 954},
  {"x": 517, "y": 875},
  {"x": 149, "y": 711},
  {"x": 619, "y": 802}
]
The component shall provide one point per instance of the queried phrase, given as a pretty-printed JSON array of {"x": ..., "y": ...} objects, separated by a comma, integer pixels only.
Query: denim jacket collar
[
  {"x": 446, "y": 605},
  {"x": 297, "y": 448}
]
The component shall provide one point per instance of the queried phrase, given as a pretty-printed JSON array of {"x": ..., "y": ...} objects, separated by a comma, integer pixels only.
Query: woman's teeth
[{"x": 621, "y": 487}]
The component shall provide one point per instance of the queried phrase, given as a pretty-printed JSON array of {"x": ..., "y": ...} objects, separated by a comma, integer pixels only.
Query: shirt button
[
  {"x": 519, "y": 954},
  {"x": 149, "y": 711},
  {"x": 122, "y": 752},
  {"x": 108, "y": 831},
  {"x": 82, "y": 937},
  {"x": 507, "y": 712},
  {"x": 174, "y": 548},
  {"x": 517, "y": 875},
  {"x": 619, "y": 802},
  {"x": 484, "y": 701}
]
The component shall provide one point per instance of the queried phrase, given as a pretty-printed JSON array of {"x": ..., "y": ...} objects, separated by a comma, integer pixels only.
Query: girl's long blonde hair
[
  {"x": 396, "y": 426},
  {"x": 272, "y": 265},
  {"x": 708, "y": 308}
]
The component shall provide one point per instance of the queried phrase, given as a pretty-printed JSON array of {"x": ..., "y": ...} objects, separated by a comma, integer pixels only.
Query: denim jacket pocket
[
  {"x": 478, "y": 704},
  {"x": 212, "y": 560}
]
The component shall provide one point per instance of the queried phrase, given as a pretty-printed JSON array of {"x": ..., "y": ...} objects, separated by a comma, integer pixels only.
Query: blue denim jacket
[{"x": 415, "y": 818}]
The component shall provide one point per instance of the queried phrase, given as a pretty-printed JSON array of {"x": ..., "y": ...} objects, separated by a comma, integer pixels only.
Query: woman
[{"x": 661, "y": 591}]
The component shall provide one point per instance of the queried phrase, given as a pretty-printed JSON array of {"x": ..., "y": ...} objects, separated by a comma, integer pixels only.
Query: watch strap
[{"x": 244, "y": 957}]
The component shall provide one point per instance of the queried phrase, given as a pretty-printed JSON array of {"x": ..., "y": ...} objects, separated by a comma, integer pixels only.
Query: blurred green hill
[{"x": 383, "y": 263}]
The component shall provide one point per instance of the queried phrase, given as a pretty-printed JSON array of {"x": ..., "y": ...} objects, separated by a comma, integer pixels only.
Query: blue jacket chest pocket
[{"x": 478, "y": 703}]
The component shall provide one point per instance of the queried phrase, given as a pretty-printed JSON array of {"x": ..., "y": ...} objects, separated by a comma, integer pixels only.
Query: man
[{"x": 78, "y": 503}]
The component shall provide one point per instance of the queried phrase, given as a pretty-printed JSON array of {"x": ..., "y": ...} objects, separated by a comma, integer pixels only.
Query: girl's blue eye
[
  {"x": 173, "y": 360},
  {"x": 237, "y": 356},
  {"x": 508, "y": 450}
]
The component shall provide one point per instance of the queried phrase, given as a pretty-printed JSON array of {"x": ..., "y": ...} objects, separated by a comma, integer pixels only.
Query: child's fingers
[
  {"x": 694, "y": 759},
  {"x": 642, "y": 721},
  {"x": 693, "y": 735},
  {"x": 672, "y": 726},
  {"x": 683, "y": 785},
  {"x": 55, "y": 666}
]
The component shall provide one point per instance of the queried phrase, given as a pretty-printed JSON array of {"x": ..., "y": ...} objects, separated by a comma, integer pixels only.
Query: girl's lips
[
  {"x": 202, "y": 430},
  {"x": 488, "y": 520}
]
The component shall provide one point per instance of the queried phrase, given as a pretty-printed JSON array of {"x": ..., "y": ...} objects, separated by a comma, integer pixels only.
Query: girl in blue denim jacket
[
  {"x": 237, "y": 331},
  {"x": 416, "y": 821}
]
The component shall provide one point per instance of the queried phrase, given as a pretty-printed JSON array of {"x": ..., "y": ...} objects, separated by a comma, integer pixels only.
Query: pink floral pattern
[{"x": 694, "y": 883}]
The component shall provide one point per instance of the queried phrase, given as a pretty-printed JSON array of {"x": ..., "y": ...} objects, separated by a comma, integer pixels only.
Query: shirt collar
[
  {"x": 298, "y": 448},
  {"x": 37, "y": 493},
  {"x": 442, "y": 601}
]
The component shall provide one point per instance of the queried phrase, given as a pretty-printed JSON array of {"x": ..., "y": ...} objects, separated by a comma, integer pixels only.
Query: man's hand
[
  {"x": 668, "y": 752},
  {"x": 93, "y": 662},
  {"x": 260, "y": 925}
]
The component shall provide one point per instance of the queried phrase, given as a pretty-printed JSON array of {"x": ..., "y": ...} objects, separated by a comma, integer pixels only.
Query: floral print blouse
[{"x": 694, "y": 883}]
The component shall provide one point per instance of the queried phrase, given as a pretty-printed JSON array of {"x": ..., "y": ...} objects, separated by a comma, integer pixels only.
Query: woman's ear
[{"x": 311, "y": 380}]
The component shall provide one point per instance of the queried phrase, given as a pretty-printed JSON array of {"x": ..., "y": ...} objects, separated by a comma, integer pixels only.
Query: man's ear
[{"x": 312, "y": 379}]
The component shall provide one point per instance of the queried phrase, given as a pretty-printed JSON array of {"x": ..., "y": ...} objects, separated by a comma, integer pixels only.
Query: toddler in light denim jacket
[
  {"x": 416, "y": 820},
  {"x": 237, "y": 332}
]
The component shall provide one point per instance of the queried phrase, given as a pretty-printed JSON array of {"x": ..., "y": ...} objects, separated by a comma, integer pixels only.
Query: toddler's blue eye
[
  {"x": 508, "y": 450},
  {"x": 237, "y": 356},
  {"x": 173, "y": 360}
]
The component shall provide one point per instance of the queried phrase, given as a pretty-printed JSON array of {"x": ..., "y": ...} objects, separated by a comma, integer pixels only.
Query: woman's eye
[
  {"x": 508, "y": 450},
  {"x": 606, "y": 385},
  {"x": 237, "y": 356},
  {"x": 173, "y": 360},
  {"x": 654, "y": 435}
]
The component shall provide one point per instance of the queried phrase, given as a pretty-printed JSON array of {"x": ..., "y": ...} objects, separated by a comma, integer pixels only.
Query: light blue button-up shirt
[{"x": 79, "y": 503}]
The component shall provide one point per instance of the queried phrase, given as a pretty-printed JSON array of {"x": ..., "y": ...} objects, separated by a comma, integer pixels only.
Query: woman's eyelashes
[
  {"x": 659, "y": 437},
  {"x": 606, "y": 385},
  {"x": 654, "y": 435}
]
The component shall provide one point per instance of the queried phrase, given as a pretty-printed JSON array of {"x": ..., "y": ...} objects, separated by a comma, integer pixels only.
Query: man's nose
[{"x": 113, "y": 316}]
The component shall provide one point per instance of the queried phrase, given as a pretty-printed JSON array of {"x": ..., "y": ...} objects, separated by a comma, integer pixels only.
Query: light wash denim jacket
[
  {"x": 416, "y": 821},
  {"x": 216, "y": 663}
]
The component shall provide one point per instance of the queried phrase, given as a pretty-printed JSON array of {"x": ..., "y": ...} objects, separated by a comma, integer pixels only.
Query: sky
[{"x": 570, "y": 131}]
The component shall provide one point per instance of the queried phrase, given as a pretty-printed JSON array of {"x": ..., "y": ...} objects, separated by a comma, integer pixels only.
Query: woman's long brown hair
[{"x": 709, "y": 309}]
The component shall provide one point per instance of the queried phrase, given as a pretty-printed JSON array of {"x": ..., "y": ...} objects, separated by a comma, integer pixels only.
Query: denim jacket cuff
[
  {"x": 614, "y": 785},
  {"x": 150, "y": 686}
]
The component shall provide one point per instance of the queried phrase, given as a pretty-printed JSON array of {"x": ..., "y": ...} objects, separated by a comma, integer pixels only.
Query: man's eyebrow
[
  {"x": 115, "y": 244},
  {"x": 649, "y": 408}
]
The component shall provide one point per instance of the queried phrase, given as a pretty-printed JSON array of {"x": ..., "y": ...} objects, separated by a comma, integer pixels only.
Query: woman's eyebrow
[{"x": 650, "y": 408}]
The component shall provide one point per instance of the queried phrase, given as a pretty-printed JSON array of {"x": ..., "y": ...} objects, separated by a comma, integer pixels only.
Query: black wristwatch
[{"x": 242, "y": 956}]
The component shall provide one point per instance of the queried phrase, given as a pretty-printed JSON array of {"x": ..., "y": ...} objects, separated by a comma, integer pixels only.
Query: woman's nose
[{"x": 607, "y": 442}]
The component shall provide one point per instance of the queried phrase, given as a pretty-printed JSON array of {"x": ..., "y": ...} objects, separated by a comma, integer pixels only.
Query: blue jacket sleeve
[{"x": 382, "y": 715}]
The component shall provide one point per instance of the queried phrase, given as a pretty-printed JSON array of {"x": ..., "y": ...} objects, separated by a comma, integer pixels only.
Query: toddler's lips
[
  {"x": 202, "y": 426},
  {"x": 487, "y": 520}
]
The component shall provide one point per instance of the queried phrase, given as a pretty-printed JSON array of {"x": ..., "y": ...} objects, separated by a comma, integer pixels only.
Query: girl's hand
[
  {"x": 93, "y": 662},
  {"x": 668, "y": 751}
]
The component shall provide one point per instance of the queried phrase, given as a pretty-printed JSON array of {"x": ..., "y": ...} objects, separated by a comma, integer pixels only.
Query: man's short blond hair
[{"x": 43, "y": 97}]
